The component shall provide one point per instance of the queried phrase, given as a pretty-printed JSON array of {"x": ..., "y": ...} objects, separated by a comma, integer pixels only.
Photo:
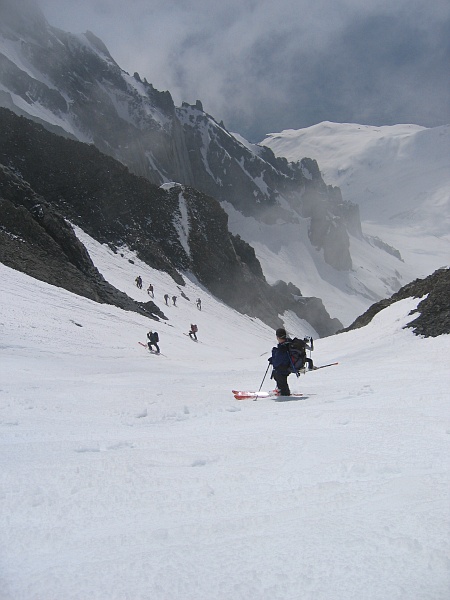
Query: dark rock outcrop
[
  {"x": 35, "y": 239},
  {"x": 433, "y": 311}
]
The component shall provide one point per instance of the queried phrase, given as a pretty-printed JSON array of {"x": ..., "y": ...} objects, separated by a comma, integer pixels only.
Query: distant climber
[{"x": 153, "y": 339}]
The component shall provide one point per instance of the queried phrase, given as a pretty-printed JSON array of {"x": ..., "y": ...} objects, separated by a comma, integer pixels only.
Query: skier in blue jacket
[{"x": 281, "y": 362}]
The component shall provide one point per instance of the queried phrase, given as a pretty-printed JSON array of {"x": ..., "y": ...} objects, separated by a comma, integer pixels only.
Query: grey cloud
[{"x": 263, "y": 66}]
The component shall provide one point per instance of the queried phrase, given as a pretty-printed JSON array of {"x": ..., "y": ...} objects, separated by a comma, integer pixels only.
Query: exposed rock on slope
[
  {"x": 35, "y": 239},
  {"x": 434, "y": 310}
]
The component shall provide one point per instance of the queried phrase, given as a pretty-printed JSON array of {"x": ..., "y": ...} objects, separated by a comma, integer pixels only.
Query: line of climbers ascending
[
  {"x": 151, "y": 292},
  {"x": 153, "y": 337}
]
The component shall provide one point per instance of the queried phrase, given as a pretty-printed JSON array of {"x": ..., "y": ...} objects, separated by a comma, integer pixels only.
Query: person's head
[{"x": 280, "y": 333}]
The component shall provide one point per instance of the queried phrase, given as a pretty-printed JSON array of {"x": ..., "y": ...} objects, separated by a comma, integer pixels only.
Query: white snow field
[{"x": 131, "y": 476}]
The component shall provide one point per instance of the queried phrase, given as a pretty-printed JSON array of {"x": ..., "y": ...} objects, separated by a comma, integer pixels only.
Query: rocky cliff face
[
  {"x": 47, "y": 179},
  {"x": 72, "y": 85},
  {"x": 35, "y": 239}
]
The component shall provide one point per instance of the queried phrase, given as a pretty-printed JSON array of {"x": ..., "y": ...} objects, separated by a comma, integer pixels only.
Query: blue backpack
[{"x": 297, "y": 354}]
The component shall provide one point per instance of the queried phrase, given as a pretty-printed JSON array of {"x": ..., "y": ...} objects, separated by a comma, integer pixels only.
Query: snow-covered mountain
[
  {"x": 130, "y": 475},
  {"x": 301, "y": 227},
  {"x": 72, "y": 83},
  {"x": 398, "y": 175}
]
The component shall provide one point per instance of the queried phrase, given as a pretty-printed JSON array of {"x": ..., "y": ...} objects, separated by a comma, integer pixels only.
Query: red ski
[{"x": 244, "y": 395}]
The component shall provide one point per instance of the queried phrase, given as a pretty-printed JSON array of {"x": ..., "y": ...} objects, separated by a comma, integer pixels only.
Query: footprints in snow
[{"x": 99, "y": 448}]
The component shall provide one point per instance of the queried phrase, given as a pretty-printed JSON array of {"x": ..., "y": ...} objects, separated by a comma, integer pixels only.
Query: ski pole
[{"x": 264, "y": 377}]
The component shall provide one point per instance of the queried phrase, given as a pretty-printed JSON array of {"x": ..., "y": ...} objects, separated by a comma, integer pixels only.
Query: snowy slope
[
  {"x": 132, "y": 476},
  {"x": 399, "y": 175}
]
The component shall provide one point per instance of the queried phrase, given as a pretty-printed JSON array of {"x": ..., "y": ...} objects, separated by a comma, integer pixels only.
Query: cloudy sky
[{"x": 262, "y": 66}]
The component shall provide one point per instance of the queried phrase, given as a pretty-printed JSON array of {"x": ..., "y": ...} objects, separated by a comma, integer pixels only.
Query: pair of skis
[
  {"x": 247, "y": 395},
  {"x": 193, "y": 339},
  {"x": 241, "y": 395},
  {"x": 151, "y": 351}
]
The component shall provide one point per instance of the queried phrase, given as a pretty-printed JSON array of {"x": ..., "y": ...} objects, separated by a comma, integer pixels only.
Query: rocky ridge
[
  {"x": 36, "y": 239},
  {"x": 433, "y": 311}
]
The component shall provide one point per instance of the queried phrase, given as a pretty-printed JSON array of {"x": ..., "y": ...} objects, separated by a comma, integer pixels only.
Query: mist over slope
[
  {"x": 50, "y": 179},
  {"x": 398, "y": 175}
]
